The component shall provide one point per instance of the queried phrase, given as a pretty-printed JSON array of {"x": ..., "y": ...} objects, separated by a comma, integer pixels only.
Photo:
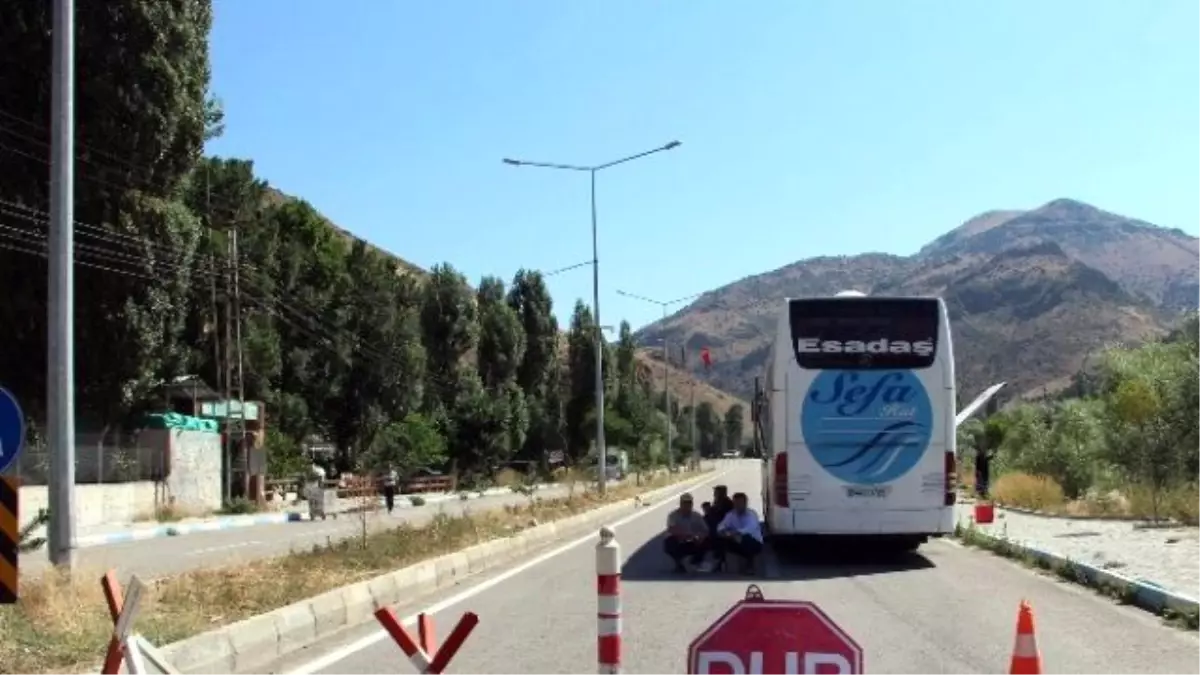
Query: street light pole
[
  {"x": 601, "y": 451},
  {"x": 666, "y": 363}
]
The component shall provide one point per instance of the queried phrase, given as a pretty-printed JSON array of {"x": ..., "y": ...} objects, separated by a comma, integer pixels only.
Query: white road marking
[
  {"x": 225, "y": 547},
  {"x": 345, "y": 651}
]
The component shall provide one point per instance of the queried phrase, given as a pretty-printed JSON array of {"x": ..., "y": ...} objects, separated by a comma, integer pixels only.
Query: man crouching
[{"x": 687, "y": 535}]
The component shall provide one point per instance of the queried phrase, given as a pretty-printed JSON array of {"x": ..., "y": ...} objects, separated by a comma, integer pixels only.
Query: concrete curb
[
  {"x": 252, "y": 644},
  {"x": 1147, "y": 595},
  {"x": 403, "y": 502}
]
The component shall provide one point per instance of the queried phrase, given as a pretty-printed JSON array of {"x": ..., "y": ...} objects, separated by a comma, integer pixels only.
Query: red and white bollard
[{"x": 608, "y": 601}]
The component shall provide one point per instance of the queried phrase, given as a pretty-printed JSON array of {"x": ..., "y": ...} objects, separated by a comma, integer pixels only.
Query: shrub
[{"x": 1027, "y": 491}]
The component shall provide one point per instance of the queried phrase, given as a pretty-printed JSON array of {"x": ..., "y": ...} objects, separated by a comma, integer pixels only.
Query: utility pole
[
  {"x": 212, "y": 286},
  {"x": 667, "y": 401},
  {"x": 239, "y": 384},
  {"x": 227, "y": 366},
  {"x": 60, "y": 343}
]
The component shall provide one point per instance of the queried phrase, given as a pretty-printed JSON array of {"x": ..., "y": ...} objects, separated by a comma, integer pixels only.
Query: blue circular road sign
[{"x": 12, "y": 429}]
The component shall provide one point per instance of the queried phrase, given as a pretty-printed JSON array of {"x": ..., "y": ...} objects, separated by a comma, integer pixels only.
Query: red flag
[{"x": 706, "y": 357}]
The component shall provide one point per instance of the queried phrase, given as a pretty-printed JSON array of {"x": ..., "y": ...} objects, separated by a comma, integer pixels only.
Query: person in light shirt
[
  {"x": 687, "y": 535},
  {"x": 739, "y": 532}
]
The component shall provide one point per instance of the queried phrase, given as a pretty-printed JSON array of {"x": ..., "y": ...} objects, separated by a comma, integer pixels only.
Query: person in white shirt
[
  {"x": 390, "y": 479},
  {"x": 739, "y": 532}
]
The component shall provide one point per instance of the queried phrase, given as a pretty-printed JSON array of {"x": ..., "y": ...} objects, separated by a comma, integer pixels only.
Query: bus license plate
[{"x": 868, "y": 492}]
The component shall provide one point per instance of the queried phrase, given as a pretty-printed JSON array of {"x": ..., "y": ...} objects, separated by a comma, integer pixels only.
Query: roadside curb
[
  {"x": 1147, "y": 595},
  {"x": 178, "y": 529},
  {"x": 254, "y": 643},
  {"x": 403, "y": 503}
]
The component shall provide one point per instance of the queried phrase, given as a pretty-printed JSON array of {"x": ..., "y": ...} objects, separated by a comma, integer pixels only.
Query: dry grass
[
  {"x": 1180, "y": 503},
  {"x": 508, "y": 478},
  {"x": 1026, "y": 491},
  {"x": 62, "y": 625}
]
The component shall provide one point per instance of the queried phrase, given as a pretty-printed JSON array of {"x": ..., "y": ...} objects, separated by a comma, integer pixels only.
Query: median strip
[{"x": 63, "y": 625}]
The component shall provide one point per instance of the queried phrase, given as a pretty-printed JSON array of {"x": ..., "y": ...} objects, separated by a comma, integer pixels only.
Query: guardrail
[{"x": 427, "y": 484}]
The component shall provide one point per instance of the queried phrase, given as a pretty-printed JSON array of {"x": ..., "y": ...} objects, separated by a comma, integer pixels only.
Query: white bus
[{"x": 859, "y": 420}]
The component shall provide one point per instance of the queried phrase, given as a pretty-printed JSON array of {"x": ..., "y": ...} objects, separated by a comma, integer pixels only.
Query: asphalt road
[
  {"x": 946, "y": 609},
  {"x": 163, "y": 556}
]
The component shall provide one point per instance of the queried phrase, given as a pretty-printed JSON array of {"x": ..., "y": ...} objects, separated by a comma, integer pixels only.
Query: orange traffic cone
[{"x": 1026, "y": 659}]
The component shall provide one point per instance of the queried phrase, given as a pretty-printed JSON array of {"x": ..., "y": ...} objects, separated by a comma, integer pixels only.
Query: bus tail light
[
  {"x": 951, "y": 480},
  {"x": 781, "y": 479}
]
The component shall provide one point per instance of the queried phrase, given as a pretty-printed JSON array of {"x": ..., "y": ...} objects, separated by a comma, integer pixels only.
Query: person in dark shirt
[{"x": 721, "y": 505}]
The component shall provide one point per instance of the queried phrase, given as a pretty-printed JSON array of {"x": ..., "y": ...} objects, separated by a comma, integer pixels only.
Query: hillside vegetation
[
  {"x": 1033, "y": 295},
  {"x": 1122, "y": 440}
]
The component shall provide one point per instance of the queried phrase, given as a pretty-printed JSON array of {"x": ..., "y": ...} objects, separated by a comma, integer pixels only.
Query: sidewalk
[{"x": 117, "y": 533}]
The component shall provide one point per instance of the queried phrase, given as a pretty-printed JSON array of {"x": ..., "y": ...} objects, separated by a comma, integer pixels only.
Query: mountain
[
  {"x": 1031, "y": 295},
  {"x": 1157, "y": 262}
]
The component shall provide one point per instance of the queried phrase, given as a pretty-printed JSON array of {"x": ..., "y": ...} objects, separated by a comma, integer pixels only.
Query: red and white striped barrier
[
  {"x": 608, "y": 601},
  {"x": 426, "y": 656}
]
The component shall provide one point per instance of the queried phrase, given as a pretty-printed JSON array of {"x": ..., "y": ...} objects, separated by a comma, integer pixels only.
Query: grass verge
[
  {"x": 1066, "y": 571},
  {"x": 61, "y": 625}
]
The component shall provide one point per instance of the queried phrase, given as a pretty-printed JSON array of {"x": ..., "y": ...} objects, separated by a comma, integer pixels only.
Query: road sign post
[
  {"x": 426, "y": 656},
  {"x": 774, "y": 636},
  {"x": 12, "y": 442}
]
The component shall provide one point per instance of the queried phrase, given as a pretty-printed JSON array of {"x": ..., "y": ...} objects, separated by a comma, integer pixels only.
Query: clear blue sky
[{"x": 808, "y": 127}]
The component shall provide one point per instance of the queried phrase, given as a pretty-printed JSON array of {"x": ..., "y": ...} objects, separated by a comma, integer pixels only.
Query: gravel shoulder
[{"x": 1169, "y": 557}]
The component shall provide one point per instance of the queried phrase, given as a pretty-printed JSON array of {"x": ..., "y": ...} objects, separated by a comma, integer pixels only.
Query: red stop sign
[{"x": 774, "y": 636}]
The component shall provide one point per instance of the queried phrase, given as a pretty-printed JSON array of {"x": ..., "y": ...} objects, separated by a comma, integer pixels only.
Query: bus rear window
[{"x": 864, "y": 333}]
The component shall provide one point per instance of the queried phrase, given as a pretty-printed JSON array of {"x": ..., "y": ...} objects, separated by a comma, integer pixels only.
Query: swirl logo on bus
[{"x": 867, "y": 427}]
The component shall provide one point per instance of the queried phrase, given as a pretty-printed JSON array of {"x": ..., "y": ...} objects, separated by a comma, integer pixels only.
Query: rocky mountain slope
[{"x": 1031, "y": 294}]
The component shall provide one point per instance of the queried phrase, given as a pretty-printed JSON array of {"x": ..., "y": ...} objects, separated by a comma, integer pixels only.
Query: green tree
[
  {"x": 1077, "y": 437},
  {"x": 449, "y": 331},
  {"x": 145, "y": 102},
  {"x": 454, "y": 395},
  {"x": 386, "y": 360},
  {"x": 501, "y": 352},
  {"x": 406, "y": 445},
  {"x": 709, "y": 431},
  {"x": 1144, "y": 390},
  {"x": 538, "y": 374},
  {"x": 735, "y": 420},
  {"x": 581, "y": 363},
  {"x": 308, "y": 284}
]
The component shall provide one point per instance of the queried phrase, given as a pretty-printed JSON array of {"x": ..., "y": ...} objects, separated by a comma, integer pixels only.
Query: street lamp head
[
  {"x": 672, "y": 145},
  {"x": 513, "y": 162}
]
